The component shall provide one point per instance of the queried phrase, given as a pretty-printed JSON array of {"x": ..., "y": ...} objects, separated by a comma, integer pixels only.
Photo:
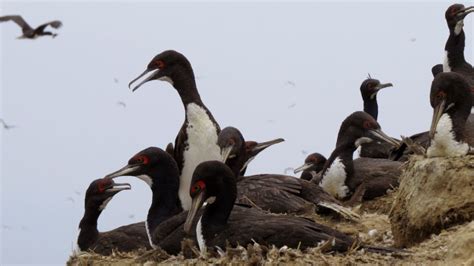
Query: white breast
[
  {"x": 201, "y": 147},
  {"x": 443, "y": 143},
  {"x": 200, "y": 238},
  {"x": 333, "y": 181}
]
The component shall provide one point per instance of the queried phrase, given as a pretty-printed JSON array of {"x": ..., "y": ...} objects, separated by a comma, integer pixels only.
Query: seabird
[
  {"x": 164, "y": 224},
  {"x": 454, "y": 59},
  {"x": 125, "y": 238},
  {"x": 28, "y": 31},
  {"x": 313, "y": 165},
  {"x": 337, "y": 177},
  {"x": 272, "y": 192},
  {"x": 6, "y": 126},
  {"x": 369, "y": 89},
  {"x": 450, "y": 99},
  {"x": 196, "y": 142},
  {"x": 224, "y": 224}
]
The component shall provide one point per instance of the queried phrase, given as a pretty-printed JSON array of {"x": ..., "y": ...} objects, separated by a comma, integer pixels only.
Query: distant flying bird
[
  {"x": 291, "y": 105},
  {"x": 70, "y": 199},
  {"x": 28, "y": 31},
  {"x": 123, "y": 104},
  {"x": 116, "y": 80},
  {"x": 291, "y": 83},
  {"x": 413, "y": 39},
  {"x": 5, "y": 125},
  {"x": 288, "y": 170}
]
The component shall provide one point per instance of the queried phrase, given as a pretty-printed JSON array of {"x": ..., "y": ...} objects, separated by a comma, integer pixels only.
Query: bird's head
[
  {"x": 370, "y": 87},
  {"x": 450, "y": 92},
  {"x": 360, "y": 127},
  {"x": 152, "y": 165},
  {"x": 101, "y": 191},
  {"x": 169, "y": 66},
  {"x": 455, "y": 15}
]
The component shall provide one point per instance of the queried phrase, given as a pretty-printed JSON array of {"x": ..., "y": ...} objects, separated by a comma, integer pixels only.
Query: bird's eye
[
  {"x": 142, "y": 159},
  {"x": 101, "y": 186},
  {"x": 367, "y": 124},
  {"x": 160, "y": 64},
  {"x": 441, "y": 95},
  {"x": 198, "y": 186}
]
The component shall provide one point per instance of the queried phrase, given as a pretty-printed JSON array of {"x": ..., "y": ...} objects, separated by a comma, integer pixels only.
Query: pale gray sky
[{"x": 62, "y": 95}]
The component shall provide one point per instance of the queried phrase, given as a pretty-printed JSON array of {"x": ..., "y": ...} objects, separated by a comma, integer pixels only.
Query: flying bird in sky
[
  {"x": 5, "y": 125},
  {"x": 123, "y": 104},
  {"x": 28, "y": 31}
]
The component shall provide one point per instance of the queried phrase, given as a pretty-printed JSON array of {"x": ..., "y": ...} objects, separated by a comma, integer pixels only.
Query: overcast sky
[{"x": 271, "y": 69}]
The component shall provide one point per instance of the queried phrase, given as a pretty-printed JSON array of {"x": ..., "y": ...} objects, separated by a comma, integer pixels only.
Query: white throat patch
[
  {"x": 201, "y": 146},
  {"x": 443, "y": 143},
  {"x": 147, "y": 179},
  {"x": 458, "y": 27},
  {"x": 104, "y": 204},
  {"x": 333, "y": 181},
  {"x": 167, "y": 79}
]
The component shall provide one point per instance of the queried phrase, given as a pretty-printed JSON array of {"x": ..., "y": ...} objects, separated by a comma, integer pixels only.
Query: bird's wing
[
  {"x": 18, "y": 20},
  {"x": 55, "y": 24}
]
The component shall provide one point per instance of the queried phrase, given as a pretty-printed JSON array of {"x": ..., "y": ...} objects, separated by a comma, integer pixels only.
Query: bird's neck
[
  {"x": 88, "y": 228},
  {"x": 371, "y": 107},
  {"x": 165, "y": 202},
  {"x": 459, "y": 117},
  {"x": 215, "y": 215},
  {"x": 455, "y": 49},
  {"x": 187, "y": 89}
]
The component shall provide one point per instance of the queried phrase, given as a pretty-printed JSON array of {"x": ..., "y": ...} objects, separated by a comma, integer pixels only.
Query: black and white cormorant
[
  {"x": 454, "y": 60},
  {"x": 196, "y": 142},
  {"x": 313, "y": 165},
  {"x": 272, "y": 192},
  {"x": 337, "y": 177},
  {"x": 164, "y": 224},
  {"x": 28, "y": 31},
  {"x": 450, "y": 99},
  {"x": 452, "y": 127},
  {"x": 125, "y": 238},
  {"x": 222, "y": 223}
]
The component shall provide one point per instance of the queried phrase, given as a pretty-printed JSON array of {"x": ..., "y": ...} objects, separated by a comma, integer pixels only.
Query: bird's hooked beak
[
  {"x": 437, "y": 113},
  {"x": 461, "y": 14},
  {"x": 303, "y": 167},
  {"x": 263, "y": 145},
  {"x": 226, "y": 152},
  {"x": 153, "y": 74},
  {"x": 380, "y": 135},
  {"x": 196, "y": 204},
  {"x": 117, "y": 187},
  {"x": 379, "y": 87},
  {"x": 126, "y": 170}
]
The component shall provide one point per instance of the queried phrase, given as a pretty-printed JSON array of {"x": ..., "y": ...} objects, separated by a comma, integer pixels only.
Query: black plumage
[
  {"x": 272, "y": 192},
  {"x": 223, "y": 223},
  {"x": 165, "y": 219},
  {"x": 28, "y": 31},
  {"x": 454, "y": 48},
  {"x": 369, "y": 90}
]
